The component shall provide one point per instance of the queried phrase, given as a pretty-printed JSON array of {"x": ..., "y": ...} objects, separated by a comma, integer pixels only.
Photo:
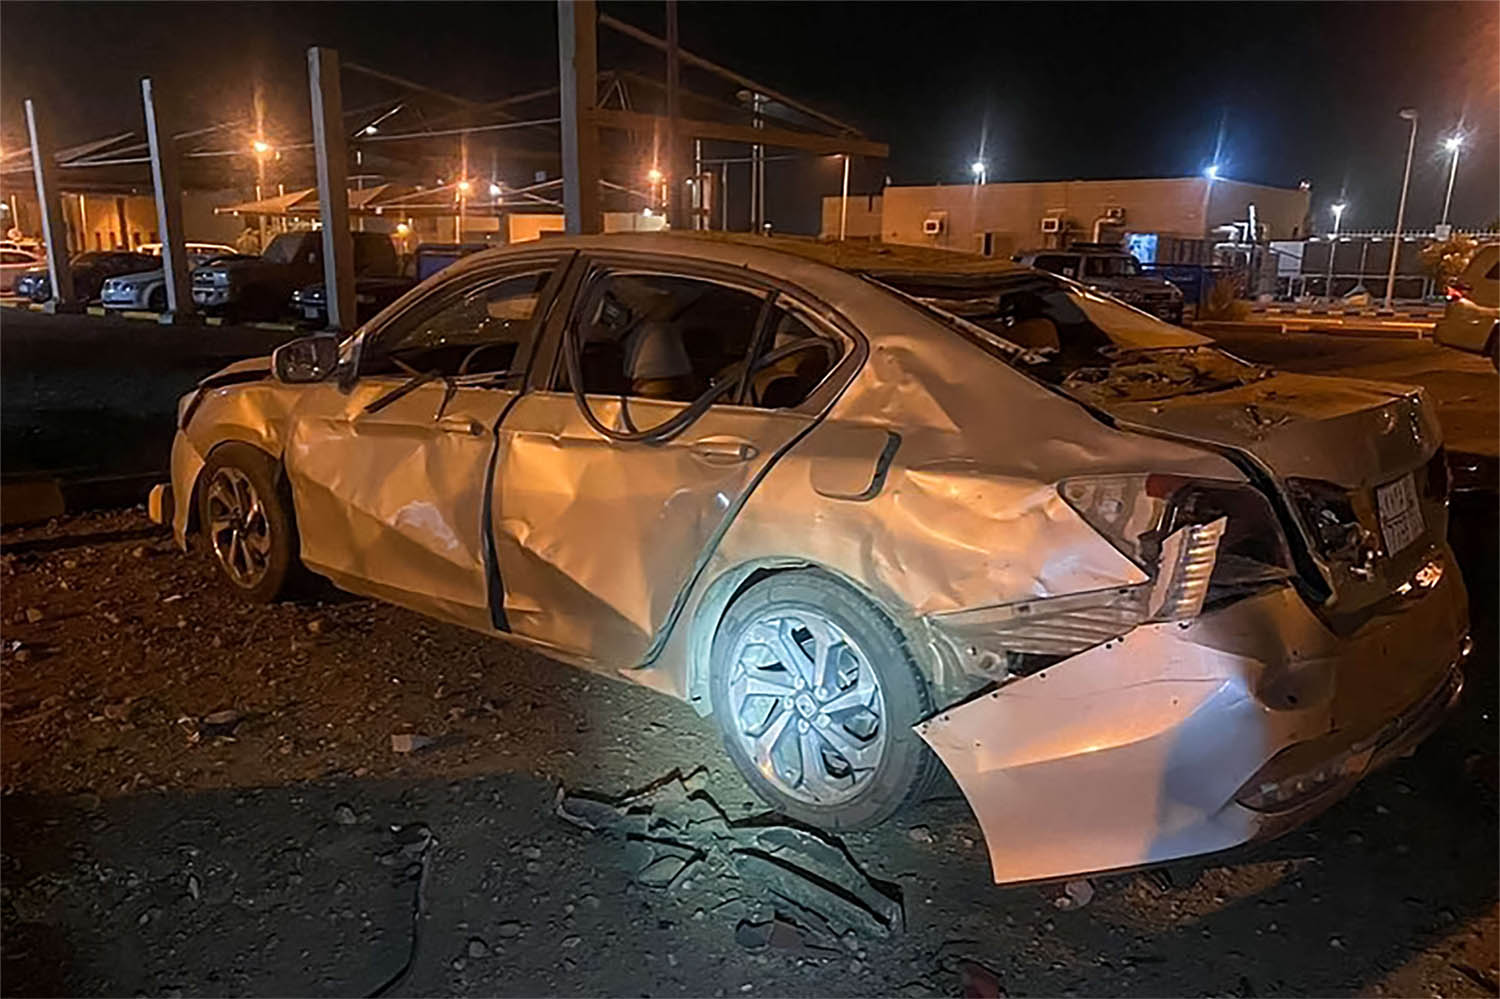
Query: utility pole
[
  {"x": 1453, "y": 145},
  {"x": 49, "y": 200},
  {"x": 333, "y": 185},
  {"x": 164, "y": 177},
  {"x": 844, "y": 203},
  {"x": 578, "y": 56},
  {"x": 1410, "y": 114}
]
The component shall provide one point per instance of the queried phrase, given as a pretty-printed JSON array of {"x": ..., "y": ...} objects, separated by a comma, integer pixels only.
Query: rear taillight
[
  {"x": 1139, "y": 513},
  {"x": 1457, "y": 290}
]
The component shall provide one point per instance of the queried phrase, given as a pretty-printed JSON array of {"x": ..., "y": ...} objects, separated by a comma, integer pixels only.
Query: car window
[
  {"x": 285, "y": 248},
  {"x": 374, "y": 253},
  {"x": 1109, "y": 267},
  {"x": 1058, "y": 263},
  {"x": 481, "y": 328},
  {"x": 660, "y": 336},
  {"x": 797, "y": 355}
]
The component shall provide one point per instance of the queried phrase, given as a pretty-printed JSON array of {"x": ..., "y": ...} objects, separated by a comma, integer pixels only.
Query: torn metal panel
[{"x": 1134, "y": 751}]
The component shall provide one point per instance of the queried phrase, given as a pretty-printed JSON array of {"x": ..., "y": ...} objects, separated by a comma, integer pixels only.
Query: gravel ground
[{"x": 203, "y": 797}]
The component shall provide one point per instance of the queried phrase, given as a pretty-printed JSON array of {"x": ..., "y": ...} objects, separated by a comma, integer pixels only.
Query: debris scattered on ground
[
  {"x": 409, "y": 742},
  {"x": 34, "y": 614},
  {"x": 919, "y": 834},
  {"x": 673, "y": 828},
  {"x": 1076, "y": 895},
  {"x": 979, "y": 982},
  {"x": 344, "y": 815},
  {"x": 478, "y": 948}
]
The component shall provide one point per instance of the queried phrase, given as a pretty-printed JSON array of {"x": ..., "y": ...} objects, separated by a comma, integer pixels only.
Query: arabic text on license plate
[{"x": 1400, "y": 514}]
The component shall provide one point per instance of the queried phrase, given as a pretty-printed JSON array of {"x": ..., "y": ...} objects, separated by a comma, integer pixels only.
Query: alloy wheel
[
  {"x": 238, "y": 528},
  {"x": 807, "y": 706}
]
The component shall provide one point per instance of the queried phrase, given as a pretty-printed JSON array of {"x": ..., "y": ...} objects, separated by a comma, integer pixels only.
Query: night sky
[{"x": 1057, "y": 91}]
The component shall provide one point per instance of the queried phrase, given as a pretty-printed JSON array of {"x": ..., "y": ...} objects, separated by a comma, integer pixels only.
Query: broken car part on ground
[{"x": 860, "y": 501}]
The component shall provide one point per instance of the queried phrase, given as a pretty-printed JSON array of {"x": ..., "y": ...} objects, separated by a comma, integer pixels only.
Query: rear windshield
[{"x": 1062, "y": 333}]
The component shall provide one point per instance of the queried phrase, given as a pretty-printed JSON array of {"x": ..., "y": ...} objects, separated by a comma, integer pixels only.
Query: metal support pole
[
  {"x": 1390, "y": 277},
  {"x": 164, "y": 177},
  {"x": 49, "y": 200},
  {"x": 1452, "y": 173},
  {"x": 676, "y": 176},
  {"x": 577, "y": 58},
  {"x": 724, "y": 196},
  {"x": 758, "y": 152},
  {"x": 844, "y": 203},
  {"x": 700, "y": 188},
  {"x": 333, "y": 185}
]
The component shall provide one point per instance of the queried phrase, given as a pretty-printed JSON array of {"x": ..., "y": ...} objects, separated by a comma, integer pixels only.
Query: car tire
[
  {"x": 157, "y": 300},
  {"x": 863, "y": 645},
  {"x": 246, "y": 519}
]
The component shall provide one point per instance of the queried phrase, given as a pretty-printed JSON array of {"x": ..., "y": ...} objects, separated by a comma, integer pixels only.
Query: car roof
[{"x": 764, "y": 252}]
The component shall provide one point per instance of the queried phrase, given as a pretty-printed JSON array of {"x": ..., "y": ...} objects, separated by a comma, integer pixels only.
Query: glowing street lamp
[
  {"x": 371, "y": 129},
  {"x": 1211, "y": 171},
  {"x": 980, "y": 169},
  {"x": 1453, "y": 144},
  {"x": 494, "y": 190},
  {"x": 654, "y": 175},
  {"x": 464, "y": 186},
  {"x": 1338, "y": 214},
  {"x": 260, "y": 147}
]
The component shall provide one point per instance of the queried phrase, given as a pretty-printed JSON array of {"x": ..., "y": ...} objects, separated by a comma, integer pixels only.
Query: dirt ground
[{"x": 203, "y": 797}]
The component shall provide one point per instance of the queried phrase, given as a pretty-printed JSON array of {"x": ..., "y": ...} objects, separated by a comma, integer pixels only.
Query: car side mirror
[{"x": 306, "y": 359}]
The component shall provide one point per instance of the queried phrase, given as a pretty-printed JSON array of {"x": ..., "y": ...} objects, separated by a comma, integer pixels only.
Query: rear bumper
[{"x": 1144, "y": 749}]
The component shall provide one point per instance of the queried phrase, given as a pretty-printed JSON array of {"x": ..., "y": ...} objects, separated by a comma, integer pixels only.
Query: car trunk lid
[{"x": 1359, "y": 465}]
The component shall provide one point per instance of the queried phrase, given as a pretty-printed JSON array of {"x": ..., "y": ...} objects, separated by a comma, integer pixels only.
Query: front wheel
[
  {"x": 816, "y": 694},
  {"x": 245, "y": 514}
]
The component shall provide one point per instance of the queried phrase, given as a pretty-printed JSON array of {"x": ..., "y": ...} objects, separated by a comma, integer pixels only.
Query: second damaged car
[{"x": 877, "y": 510}]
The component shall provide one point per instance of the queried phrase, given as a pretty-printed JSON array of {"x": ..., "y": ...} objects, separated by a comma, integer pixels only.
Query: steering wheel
[{"x": 463, "y": 367}]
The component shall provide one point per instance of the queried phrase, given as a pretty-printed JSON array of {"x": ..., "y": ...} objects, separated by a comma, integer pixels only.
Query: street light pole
[
  {"x": 844, "y": 202},
  {"x": 1333, "y": 247},
  {"x": 1453, "y": 145},
  {"x": 1410, "y": 114}
]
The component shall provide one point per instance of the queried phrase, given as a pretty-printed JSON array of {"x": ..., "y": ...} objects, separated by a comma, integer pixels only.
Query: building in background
[{"x": 1162, "y": 220}]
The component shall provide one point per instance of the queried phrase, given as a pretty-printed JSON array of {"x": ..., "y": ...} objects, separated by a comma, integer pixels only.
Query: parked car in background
[
  {"x": 90, "y": 270},
  {"x": 242, "y": 286},
  {"x": 1472, "y": 319},
  {"x": 14, "y": 263},
  {"x": 372, "y": 292},
  {"x": 1113, "y": 271},
  {"x": 148, "y": 289},
  {"x": 873, "y": 508}
]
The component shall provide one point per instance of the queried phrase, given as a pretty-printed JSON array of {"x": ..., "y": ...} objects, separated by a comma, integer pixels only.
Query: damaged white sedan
[{"x": 877, "y": 509}]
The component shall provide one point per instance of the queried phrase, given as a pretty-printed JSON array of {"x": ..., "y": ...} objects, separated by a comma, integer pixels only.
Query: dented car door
[
  {"x": 391, "y": 476},
  {"x": 598, "y": 530}
]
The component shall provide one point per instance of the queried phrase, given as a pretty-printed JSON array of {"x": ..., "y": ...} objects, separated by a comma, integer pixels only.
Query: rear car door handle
[
  {"x": 461, "y": 425},
  {"x": 723, "y": 450}
]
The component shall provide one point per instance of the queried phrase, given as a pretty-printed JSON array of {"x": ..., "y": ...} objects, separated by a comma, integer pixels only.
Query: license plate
[
  {"x": 1400, "y": 513},
  {"x": 311, "y": 313}
]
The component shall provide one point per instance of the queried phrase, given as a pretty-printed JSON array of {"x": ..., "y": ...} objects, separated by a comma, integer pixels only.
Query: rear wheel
[
  {"x": 157, "y": 300},
  {"x": 245, "y": 514},
  {"x": 816, "y": 694}
]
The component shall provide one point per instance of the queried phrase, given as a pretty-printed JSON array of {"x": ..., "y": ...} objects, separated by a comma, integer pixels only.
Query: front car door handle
[
  {"x": 460, "y": 425},
  {"x": 723, "y": 450}
]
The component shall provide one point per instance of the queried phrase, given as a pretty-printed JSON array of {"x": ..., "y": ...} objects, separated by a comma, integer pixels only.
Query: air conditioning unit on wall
[
  {"x": 935, "y": 225},
  {"x": 1115, "y": 214},
  {"x": 1052, "y": 224}
]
